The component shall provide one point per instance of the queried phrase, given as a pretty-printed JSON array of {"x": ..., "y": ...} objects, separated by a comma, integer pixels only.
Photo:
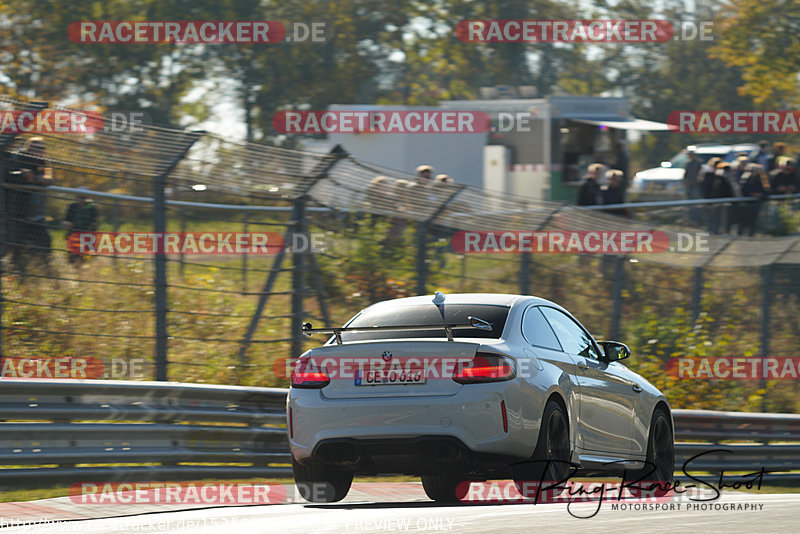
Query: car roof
[
  {"x": 497, "y": 299},
  {"x": 714, "y": 148}
]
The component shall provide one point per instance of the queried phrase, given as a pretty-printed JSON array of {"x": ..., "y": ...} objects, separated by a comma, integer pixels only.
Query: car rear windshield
[{"x": 429, "y": 314}]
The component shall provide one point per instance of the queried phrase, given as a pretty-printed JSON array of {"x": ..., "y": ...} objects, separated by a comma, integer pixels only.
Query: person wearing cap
[
  {"x": 786, "y": 182},
  {"x": 741, "y": 166},
  {"x": 424, "y": 174},
  {"x": 81, "y": 217},
  {"x": 613, "y": 193}
]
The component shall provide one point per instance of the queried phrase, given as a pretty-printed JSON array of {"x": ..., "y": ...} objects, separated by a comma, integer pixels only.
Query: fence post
[
  {"x": 245, "y": 229},
  {"x": 160, "y": 260},
  {"x": 525, "y": 274},
  {"x": 422, "y": 258},
  {"x": 422, "y": 240},
  {"x": 5, "y": 141},
  {"x": 182, "y": 219},
  {"x": 616, "y": 291},
  {"x": 320, "y": 173},
  {"x": 766, "y": 303},
  {"x": 298, "y": 276},
  {"x": 697, "y": 294}
]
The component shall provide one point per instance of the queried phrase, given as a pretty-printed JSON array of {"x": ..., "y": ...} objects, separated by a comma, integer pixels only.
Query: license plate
[{"x": 381, "y": 377}]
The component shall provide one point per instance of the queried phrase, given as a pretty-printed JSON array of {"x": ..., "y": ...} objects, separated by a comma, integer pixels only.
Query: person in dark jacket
[
  {"x": 717, "y": 184},
  {"x": 81, "y": 217},
  {"x": 589, "y": 193},
  {"x": 28, "y": 234},
  {"x": 785, "y": 181},
  {"x": 778, "y": 150},
  {"x": 753, "y": 184},
  {"x": 613, "y": 193}
]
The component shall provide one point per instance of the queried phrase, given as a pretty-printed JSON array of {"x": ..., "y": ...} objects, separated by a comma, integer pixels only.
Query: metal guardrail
[
  {"x": 79, "y": 430},
  {"x": 755, "y": 440}
]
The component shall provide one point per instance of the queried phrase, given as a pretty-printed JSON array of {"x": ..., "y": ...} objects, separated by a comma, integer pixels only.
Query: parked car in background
[{"x": 666, "y": 182}]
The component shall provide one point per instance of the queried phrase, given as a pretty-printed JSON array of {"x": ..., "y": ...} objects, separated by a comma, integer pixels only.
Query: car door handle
[
  {"x": 583, "y": 367},
  {"x": 637, "y": 388}
]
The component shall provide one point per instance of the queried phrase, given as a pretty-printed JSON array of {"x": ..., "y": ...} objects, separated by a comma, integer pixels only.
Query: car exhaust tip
[
  {"x": 340, "y": 454},
  {"x": 442, "y": 452}
]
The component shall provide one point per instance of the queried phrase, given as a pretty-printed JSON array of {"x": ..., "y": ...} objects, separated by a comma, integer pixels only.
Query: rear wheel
[
  {"x": 444, "y": 488},
  {"x": 321, "y": 483},
  {"x": 660, "y": 452},
  {"x": 551, "y": 458}
]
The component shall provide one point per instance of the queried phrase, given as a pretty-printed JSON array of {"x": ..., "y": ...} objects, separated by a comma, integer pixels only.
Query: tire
[
  {"x": 444, "y": 488},
  {"x": 660, "y": 452},
  {"x": 321, "y": 483},
  {"x": 553, "y": 446}
]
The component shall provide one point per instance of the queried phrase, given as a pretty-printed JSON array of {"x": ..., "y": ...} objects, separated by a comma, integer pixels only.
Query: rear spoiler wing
[{"x": 474, "y": 322}]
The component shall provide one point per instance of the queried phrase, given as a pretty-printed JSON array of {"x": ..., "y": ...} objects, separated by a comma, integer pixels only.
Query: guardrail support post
[
  {"x": 766, "y": 304},
  {"x": 160, "y": 260}
]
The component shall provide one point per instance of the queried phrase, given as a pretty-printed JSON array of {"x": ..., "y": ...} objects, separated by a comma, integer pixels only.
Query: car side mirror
[{"x": 615, "y": 351}]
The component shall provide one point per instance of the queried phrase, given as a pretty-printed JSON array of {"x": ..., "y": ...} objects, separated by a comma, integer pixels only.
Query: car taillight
[
  {"x": 484, "y": 368},
  {"x": 309, "y": 376}
]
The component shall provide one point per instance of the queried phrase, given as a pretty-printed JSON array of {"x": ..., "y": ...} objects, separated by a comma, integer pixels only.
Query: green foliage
[
  {"x": 787, "y": 221},
  {"x": 760, "y": 37},
  {"x": 657, "y": 340}
]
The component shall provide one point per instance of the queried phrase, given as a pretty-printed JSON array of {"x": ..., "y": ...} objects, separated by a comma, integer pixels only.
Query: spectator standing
[
  {"x": 589, "y": 193},
  {"x": 81, "y": 217},
  {"x": 761, "y": 156},
  {"x": 754, "y": 184},
  {"x": 424, "y": 174},
  {"x": 778, "y": 150},
  {"x": 716, "y": 184},
  {"x": 786, "y": 182},
  {"x": 613, "y": 192},
  {"x": 691, "y": 176},
  {"x": 28, "y": 232}
]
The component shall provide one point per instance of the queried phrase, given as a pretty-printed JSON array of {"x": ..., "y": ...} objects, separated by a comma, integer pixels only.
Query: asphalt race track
[{"x": 413, "y": 512}]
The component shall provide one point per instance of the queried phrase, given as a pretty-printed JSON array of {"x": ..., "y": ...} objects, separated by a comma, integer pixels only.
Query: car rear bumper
[
  {"x": 412, "y": 456},
  {"x": 465, "y": 427}
]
